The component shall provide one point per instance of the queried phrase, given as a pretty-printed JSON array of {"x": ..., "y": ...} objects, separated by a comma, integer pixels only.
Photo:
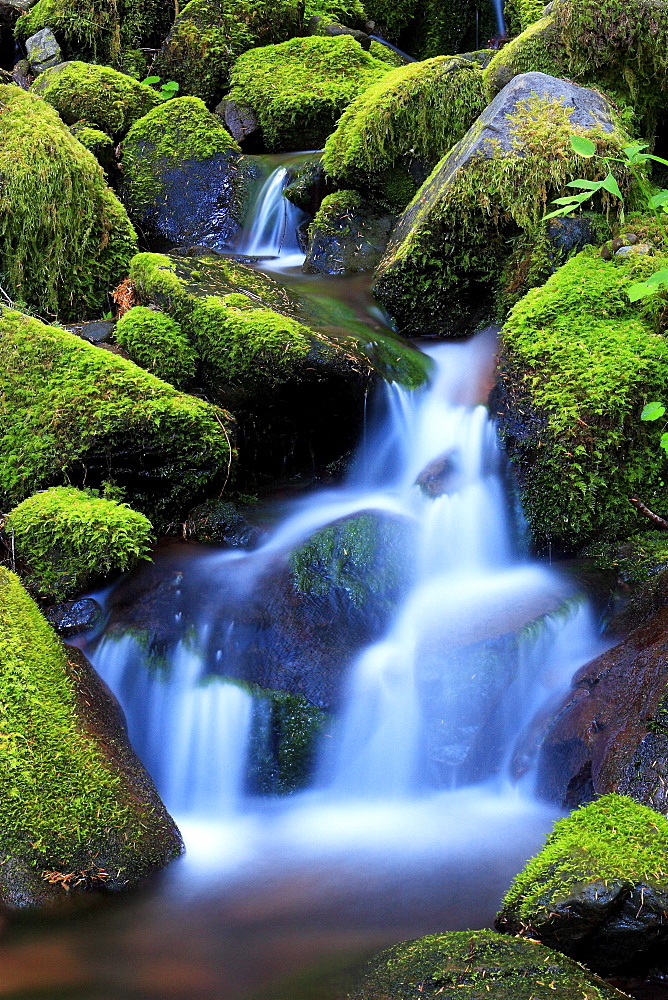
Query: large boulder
[
  {"x": 347, "y": 235},
  {"x": 64, "y": 236},
  {"x": 442, "y": 264},
  {"x": 598, "y": 890},
  {"x": 78, "y": 812},
  {"x": 184, "y": 177},
  {"x": 391, "y": 137}
]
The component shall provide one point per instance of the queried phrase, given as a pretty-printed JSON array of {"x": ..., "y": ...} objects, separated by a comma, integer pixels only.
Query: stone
[
  {"x": 242, "y": 125},
  {"x": 339, "y": 29},
  {"x": 73, "y": 617},
  {"x": 96, "y": 332},
  {"x": 43, "y": 51},
  {"x": 347, "y": 235},
  {"x": 638, "y": 250}
]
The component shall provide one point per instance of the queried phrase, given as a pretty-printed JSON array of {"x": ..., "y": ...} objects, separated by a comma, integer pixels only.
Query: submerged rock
[
  {"x": 73, "y": 617},
  {"x": 347, "y": 235}
]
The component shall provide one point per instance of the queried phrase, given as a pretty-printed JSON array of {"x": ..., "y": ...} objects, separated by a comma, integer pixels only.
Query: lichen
[{"x": 155, "y": 342}]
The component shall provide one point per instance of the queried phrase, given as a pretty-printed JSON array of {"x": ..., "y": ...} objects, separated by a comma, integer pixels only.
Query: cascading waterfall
[{"x": 272, "y": 221}]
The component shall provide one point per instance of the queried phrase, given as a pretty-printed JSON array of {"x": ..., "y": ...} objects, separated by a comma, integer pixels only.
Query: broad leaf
[
  {"x": 611, "y": 185},
  {"x": 587, "y": 185},
  {"x": 652, "y": 411},
  {"x": 582, "y": 146},
  {"x": 664, "y": 442},
  {"x": 659, "y": 199},
  {"x": 152, "y": 79}
]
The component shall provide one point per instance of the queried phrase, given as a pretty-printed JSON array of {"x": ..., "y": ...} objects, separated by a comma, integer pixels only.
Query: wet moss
[
  {"x": 96, "y": 142},
  {"x": 64, "y": 236},
  {"x": 67, "y": 539},
  {"x": 298, "y": 89},
  {"x": 284, "y": 741},
  {"x": 155, "y": 342}
]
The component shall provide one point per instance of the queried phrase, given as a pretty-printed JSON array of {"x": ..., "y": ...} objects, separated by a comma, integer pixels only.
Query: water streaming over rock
[{"x": 272, "y": 220}]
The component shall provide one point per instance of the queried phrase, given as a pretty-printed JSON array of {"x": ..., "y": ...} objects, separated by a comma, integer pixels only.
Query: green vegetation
[
  {"x": 155, "y": 342},
  {"x": 392, "y": 16},
  {"x": 415, "y": 113},
  {"x": 72, "y": 412},
  {"x": 521, "y": 14},
  {"x": 66, "y": 805},
  {"x": 67, "y": 539},
  {"x": 283, "y": 740},
  {"x": 298, "y": 89},
  {"x": 64, "y": 236},
  {"x": 444, "y": 27},
  {"x": 109, "y": 100},
  {"x": 536, "y": 50},
  {"x": 636, "y": 560},
  {"x": 96, "y": 142}
]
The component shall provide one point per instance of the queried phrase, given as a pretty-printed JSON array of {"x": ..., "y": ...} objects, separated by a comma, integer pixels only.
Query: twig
[
  {"x": 229, "y": 455},
  {"x": 657, "y": 521}
]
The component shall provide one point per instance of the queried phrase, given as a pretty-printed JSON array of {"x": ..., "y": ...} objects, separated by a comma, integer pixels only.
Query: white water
[{"x": 270, "y": 231}]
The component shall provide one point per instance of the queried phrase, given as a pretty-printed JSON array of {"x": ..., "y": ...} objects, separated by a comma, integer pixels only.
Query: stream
[{"x": 421, "y": 807}]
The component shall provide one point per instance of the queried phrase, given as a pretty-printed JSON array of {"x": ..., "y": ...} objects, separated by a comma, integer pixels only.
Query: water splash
[{"x": 272, "y": 222}]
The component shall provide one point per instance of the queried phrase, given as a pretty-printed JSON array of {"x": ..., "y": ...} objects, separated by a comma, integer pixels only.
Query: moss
[
  {"x": 135, "y": 64},
  {"x": 392, "y": 17},
  {"x": 579, "y": 362},
  {"x": 521, "y": 14},
  {"x": 71, "y": 411},
  {"x": 64, "y": 236},
  {"x": 415, "y": 113},
  {"x": 537, "y": 49},
  {"x": 178, "y": 131},
  {"x": 334, "y": 210},
  {"x": 155, "y": 342},
  {"x": 477, "y": 964},
  {"x": 63, "y": 802},
  {"x": 96, "y": 142},
  {"x": 284, "y": 740},
  {"x": 109, "y": 100},
  {"x": 386, "y": 54},
  {"x": 298, "y": 89},
  {"x": 67, "y": 539}
]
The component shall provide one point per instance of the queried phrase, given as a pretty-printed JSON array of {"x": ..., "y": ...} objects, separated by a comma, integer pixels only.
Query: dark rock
[
  {"x": 96, "y": 332},
  {"x": 347, "y": 235},
  {"x": 73, "y": 617},
  {"x": 242, "y": 125},
  {"x": 219, "y": 522},
  {"x": 43, "y": 51},
  {"x": 308, "y": 184},
  {"x": 570, "y": 235},
  {"x": 339, "y": 29},
  {"x": 22, "y": 74},
  {"x": 439, "y": 476}
]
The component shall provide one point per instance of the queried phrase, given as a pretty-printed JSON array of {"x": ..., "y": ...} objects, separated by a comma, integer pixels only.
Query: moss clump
[
  {"x": 348, "y": 234},
  {"x": 386, "y": 54},
  {"x": 64, "y": 236},
  {"x": 67, "y": 539},
  {"x": 521, "y": 14},
  {"x": 96, "y": 142},
  {"x": 283, "y": 741},
  {"x": 412, "y": 116},
  {"x": 109, "y": 100},
  {"x": 65, "y": 803},
  {"x": 536, "y": 50},
  {"x": 476, "y": 964},
  {"x": 298, "y": 89},
  {"x": 155, "y": 342},
  {"x": 72, "y": 412},
  {"x": 579, "y": 362}
]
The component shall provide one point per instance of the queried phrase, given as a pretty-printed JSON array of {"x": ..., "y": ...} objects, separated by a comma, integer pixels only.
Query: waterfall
[
  {"x": 500, "y": 19},
  {"x": 272, "y": 222}
]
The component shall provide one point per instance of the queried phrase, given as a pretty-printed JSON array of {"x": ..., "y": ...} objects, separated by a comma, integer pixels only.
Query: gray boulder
[{"x": 43, "y": 51}]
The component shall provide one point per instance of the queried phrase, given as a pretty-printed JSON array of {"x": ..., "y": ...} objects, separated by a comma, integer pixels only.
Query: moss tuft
[
  {"x": 96, "y": 142},
  {"x": 283, "y": 740},
  {"x": 521, "y": 14},
  {"x": 155, "y": 342},
  {"x": 68, "y": 539}
]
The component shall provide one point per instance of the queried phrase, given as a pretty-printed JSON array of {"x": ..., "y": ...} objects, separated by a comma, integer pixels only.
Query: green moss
[
  {"x": 444, "y": 27},
  {"x": 168, "y": 136},
  {"x": 284, "y": 740},
  {"x": 521, "y": 14},
  {"x": 537, "y": 49},
  {"x": 155, "y": 342},
  {"x": 67, "y": 539},
  {"x": 70, "y": 411},
  {"x": 385, "y": 54},
  {"x": 63, "y": 802},
  {"x": 579, "y": 362},
  {"x": 298, "y": 89},
  {"x": 109, "y": 100},
  {"x": 614, "y": 838},
  {"x": 635, "y": 560},
  {"x": 334, "y": 210},
  {"x": 415, "y": 113},
  {"x": 96, "y": 142},
  {"x": 392, "y": 17},
  {"x": 476, "y": 964},
  {"x": 64, "y": 236}
]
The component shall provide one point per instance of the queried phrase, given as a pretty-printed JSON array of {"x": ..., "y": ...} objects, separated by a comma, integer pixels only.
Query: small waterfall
[
  {"x": 500, "y": 19},
  {"x": 271, "y": 229}
]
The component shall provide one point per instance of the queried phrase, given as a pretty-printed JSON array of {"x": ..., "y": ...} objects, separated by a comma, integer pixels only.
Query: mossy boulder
[
  {"x": 66, "y": 540},
  {"x": 476, "y": 964},
  {"x": 347, "y": 235},
  {"x": 109, "y": 100},
  {"x": 598, "y": 890},
  {"x": 78, "y": 812},
  {"x": 536, "y": 50},
  {"x": 156, "y": 342},
  {"x": 521, "y": 14},
  {"x": 579, "y": 361},
  {"x": 392, "y": 136},
  {"x": 185, "y": 179},
  {"x": 75, "y": 413},
  {"x": 64, "y": 236},
  {"x": 297, "y": 90},
  {"x": 283, "y": 742},
  {"x": 99, "y": 144},
  {"x": 441, "y": 269}
]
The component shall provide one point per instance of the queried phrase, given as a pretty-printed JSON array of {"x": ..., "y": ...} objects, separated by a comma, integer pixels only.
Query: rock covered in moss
[
  {"x": 441, "y": 267},
  {"x": 66, "y": 540},
  {"x": 185, "y": 179},
  {"x": 477, "y": 964},
  {"x": 579, "y": 362},
  {"x": 109, "y": 100},
  {"x": 43, "y": 51},
  {"x": 77, "y": 810},
  {"x": 283, "y": 741},
  {"x": 347, "y": 235},
  {"x": 64, "y": 236},
  {"x": 99, "y": 144},
  {"x": 80, "y": 414},
  {"x": 521, "y": 14},
  {"x": 598, "y": 890},
  {"x": 391, "y": 136},
  {"x": 156, "y": 342},
  {"x": 536, "y": 50},
  {"x": 298, "y": 89}
]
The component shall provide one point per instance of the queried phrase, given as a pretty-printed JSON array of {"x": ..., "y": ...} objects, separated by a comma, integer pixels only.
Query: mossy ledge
[
  {"x": 156, "y": 342},
  {"x": 78, "y": 812}
]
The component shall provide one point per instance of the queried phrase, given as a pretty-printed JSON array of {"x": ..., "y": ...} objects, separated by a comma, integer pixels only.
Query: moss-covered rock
[
  {"x": 73, "y": 412},
  {"x": 64, "y": 236},
  {"x": 392, "y": 136},
  {"x": 441, "y": 270},
  {"x": 283, "y": 742},
  {"x": 476, "y": 964},
  {"x": 579, "y": 362},
  {"x": 156, "y": 342},
  {"x": 298, "y": 89},
  {"x": 77, "y": 810},
  {"x": 521, "y": 14},
  {"x": 536, "y": 50},
  {"x": 99, "y": 30},
  {"x": 185, "y": 179},
  {"x": 598, "y": 890},
  {"x": 109, "y": 100},
  {"x": 98, "y": 143},
  {"x": 348, "y": 234},
  {"x": 66, "y": 540}
]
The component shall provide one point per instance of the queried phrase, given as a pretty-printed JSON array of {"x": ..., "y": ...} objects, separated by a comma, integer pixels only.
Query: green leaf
[
  {"x": 633, "y": 150},
  {"x": 611, "y": 185},
  {"x": 652, "y": 411},
  {"x": 663, "y": 443},
  {"x": 588, "y": 185},
  {"x": 151, "y": 80},
  {"x": 657, "y": 159},
  {"x": 570, "y": 200},
  {"x": 559, "y": 213},
  {"x": 641, "y": 290},
  {"x": 659, "y": 199},
  {"x": 172, "y": 85},
  {"x": 582, "y": 146}
]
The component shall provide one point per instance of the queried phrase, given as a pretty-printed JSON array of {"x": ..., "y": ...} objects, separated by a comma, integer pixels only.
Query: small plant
[
  {"x": 166, "y": 90},
  {"x": 654, "y": 411}
]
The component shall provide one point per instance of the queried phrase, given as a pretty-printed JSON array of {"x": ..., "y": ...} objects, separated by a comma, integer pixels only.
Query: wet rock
[
  {"x": 439, "y": 476},
  {"x": 347, "y": 235},
  {"x": 95, "y": 332},
  {"x": 220, "y": 522},
  {"x": 72, "y": 617},
  {"x": 43, "y": 51},
  {"x": 308, "y": 184},
  {"x": 639, "y": 250},
  {"x": 242, "y": 125},
  {"x": 570, "y": 235},
  {"x": 22, "y": 74}
]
